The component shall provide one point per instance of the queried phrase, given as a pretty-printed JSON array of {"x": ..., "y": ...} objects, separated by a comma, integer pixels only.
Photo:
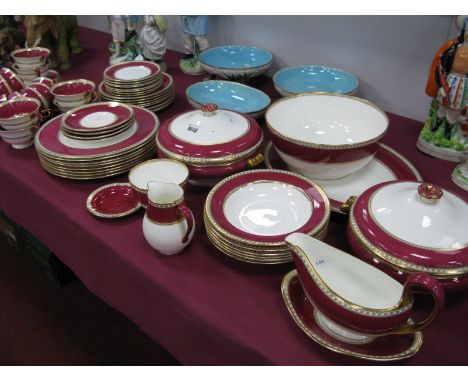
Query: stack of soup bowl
[
  {"x": 74, "y": 93},
  {"x": 38, "y": 90},
  {"x": 19, "y": 120},
  {"x": 248, "y": 215},
  {"x": 9, "y": 83},
  {"x": 139, "y": 83},
  {"x": 31, "y": 63},
  {"x": 97, "y": 140}
]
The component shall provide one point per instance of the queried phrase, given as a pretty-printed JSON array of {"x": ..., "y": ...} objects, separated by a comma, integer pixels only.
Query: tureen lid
[
  {"x": 209, "y": 133},
  {"x": 414, "y": 225}
]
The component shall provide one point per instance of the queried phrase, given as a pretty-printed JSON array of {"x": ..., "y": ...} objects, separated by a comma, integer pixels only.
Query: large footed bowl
[
  {"x": 236, "y": 62},
  {"x": 325, "y": 136}
]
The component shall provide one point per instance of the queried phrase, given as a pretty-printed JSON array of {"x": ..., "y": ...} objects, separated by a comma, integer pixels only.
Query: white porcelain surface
[
  {"x": 268, "y": 208},
  {"x": 93, "y": 144},
  {"x": 19, "y": 126},
  {"x": 132, "y": 73},
  {"x": 21, "y": 142},
  {"x": 347, "y": 276},
  {"x": 26, "y": 131},
  {"x": 160, "y": 170},
  {"x": 443, "y": 225},
  {"x": 197, "y": 128},
  {"x": 327, "y": 119},
  {"x": 325, "y": 171},
  {"x": 98, "y": 119}
]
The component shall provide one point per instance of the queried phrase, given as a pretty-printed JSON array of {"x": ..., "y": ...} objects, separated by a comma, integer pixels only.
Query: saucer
[
  {"x": 385, "y": 348},
  {"x": 387, "y": 165},
  {"x": 113, "y": 200}
]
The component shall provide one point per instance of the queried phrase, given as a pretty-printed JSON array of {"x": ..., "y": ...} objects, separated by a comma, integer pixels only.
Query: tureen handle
[
  {"x": 427, "y": 283},
  {"x": 185, "y": 211},
  {"x": 209, "y": 109},
  {"x": 429, "y": 193}
]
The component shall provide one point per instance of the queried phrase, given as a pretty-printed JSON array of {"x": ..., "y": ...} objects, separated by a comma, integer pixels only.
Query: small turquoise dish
[
  {"x": 230, "y": 96},
  {"x": 314, "y": 79},
  {"x": 236, "y": 62}
]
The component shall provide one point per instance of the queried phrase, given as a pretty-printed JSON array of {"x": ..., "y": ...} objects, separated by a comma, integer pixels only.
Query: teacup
[
  {"x": 20, "y": 142},
  {"x": 49, "y": 82},
  {"x": 73, "y": 91},
  {"x": 13, "y": 80},
  {"x": 356, "y": 302},
  {"x": 30, "y": 56},
  {"x": 41, "y": 92},
  {"x": 19, "y": 113},
  {"x": 159, "y": 170}
]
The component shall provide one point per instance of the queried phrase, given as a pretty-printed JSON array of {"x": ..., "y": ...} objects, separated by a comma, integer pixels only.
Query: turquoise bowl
[
  {"x": 230, "y": 96},
  {"x": 237, "y": 62},
  {"x": 314, "y": 79}
]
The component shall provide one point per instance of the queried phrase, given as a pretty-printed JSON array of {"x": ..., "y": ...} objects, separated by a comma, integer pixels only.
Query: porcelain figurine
[
  {"x": 153, "y": 39},
  {"x": 54, "y": 33},
  {"x": 445, "y": 133},
  {"x": 355, "y": 302},
  {"x": 124, "y": 38},
  {"x": 168, "y": 225},
  {"x": 194, "y": 30}
]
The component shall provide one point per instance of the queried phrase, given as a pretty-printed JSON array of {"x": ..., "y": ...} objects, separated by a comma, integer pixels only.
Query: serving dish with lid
[
  {"x": 236, "y": 62},
  {"x": 404, "y": 227},
  {"x": 212, "y": 142},
  {"x": 228, "y": 95},
  {"x": 314, "y": 79},
  {"x": 325, "y": 136}
]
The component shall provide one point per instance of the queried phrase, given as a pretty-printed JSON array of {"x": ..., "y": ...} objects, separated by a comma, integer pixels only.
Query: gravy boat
[{"x": 354, "y": 301}]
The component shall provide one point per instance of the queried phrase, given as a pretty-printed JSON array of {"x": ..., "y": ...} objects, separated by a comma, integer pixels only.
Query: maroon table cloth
[{"x": 204, "y": 307}]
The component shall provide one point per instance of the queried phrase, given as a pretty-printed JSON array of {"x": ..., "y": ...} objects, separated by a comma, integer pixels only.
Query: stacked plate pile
[
  {"x": 248, "y": 215},
  {"x": 139, "y": 83},
  {"x": 31, "y": 63},
  {"x": 97, "y": 141}
]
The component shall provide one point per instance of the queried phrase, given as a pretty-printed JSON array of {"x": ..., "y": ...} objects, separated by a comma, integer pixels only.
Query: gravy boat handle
[{"x": 429, "y": 284}]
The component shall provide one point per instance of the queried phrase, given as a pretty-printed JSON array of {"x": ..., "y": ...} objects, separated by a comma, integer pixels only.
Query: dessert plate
[
  {"x": 113, "y": 201},
  {"x": 97, "y": 117},
  {"x": 387, "y": 165},
  {"x": 131, "y": 71},
  {"x": 385, "y": 348}
]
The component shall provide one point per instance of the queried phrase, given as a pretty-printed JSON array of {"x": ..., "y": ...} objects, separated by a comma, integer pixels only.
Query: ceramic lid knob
[
  {"x": 209, "y": 109},
  {"x": 429, "y": 193}
]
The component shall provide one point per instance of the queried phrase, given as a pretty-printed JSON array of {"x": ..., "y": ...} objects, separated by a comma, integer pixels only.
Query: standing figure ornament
[
  {"x": 124, "y": 45},
  {"x": 194, "y": 30},
  {"x": 445, "y": 133},
  {"x": 153, "y": 40}
]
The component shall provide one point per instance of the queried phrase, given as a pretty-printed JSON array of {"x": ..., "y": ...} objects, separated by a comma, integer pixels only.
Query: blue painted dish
[
  {"x": 314, "y": 79},
  {"x": 228, "y": 95},
  {"x": 236, "y": 61}
]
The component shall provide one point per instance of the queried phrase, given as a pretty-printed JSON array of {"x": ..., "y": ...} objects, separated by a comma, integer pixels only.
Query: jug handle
[
  {"x": 185, "y": 211},
  {"x": 431, "y": 285}
]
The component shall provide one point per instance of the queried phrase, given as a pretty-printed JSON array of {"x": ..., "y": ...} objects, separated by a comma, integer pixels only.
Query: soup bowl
[
  {"x": 30, "y": 56},
  {"x": 236, "y": 62},
  {"x": 158, "y": 170},
  {"x": 325, "y": 136}
]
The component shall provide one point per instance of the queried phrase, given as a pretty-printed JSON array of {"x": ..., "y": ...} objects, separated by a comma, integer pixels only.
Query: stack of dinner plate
[
  {"x": 248, "y": 215},
  {"x": 139, "y": 83},
  {"x": 97, "y": 140}
]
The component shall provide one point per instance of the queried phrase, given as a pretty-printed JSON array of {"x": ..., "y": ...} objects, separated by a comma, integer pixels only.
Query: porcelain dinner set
[{"x": 325, "y": 154}]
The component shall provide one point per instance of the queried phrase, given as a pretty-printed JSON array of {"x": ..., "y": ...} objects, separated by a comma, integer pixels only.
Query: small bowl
[
  {"x": 314, "y": 79},
  {"x": 236, "y": 62},
  {"x": 160, "y": 170},
  {"x": 228, "y": 95},
  {"x": 30, "y": 55},
  {"x": 325, "y": 136},
  {"x": 74, "y": 90},
  {"x": 19, "y": 113}
]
